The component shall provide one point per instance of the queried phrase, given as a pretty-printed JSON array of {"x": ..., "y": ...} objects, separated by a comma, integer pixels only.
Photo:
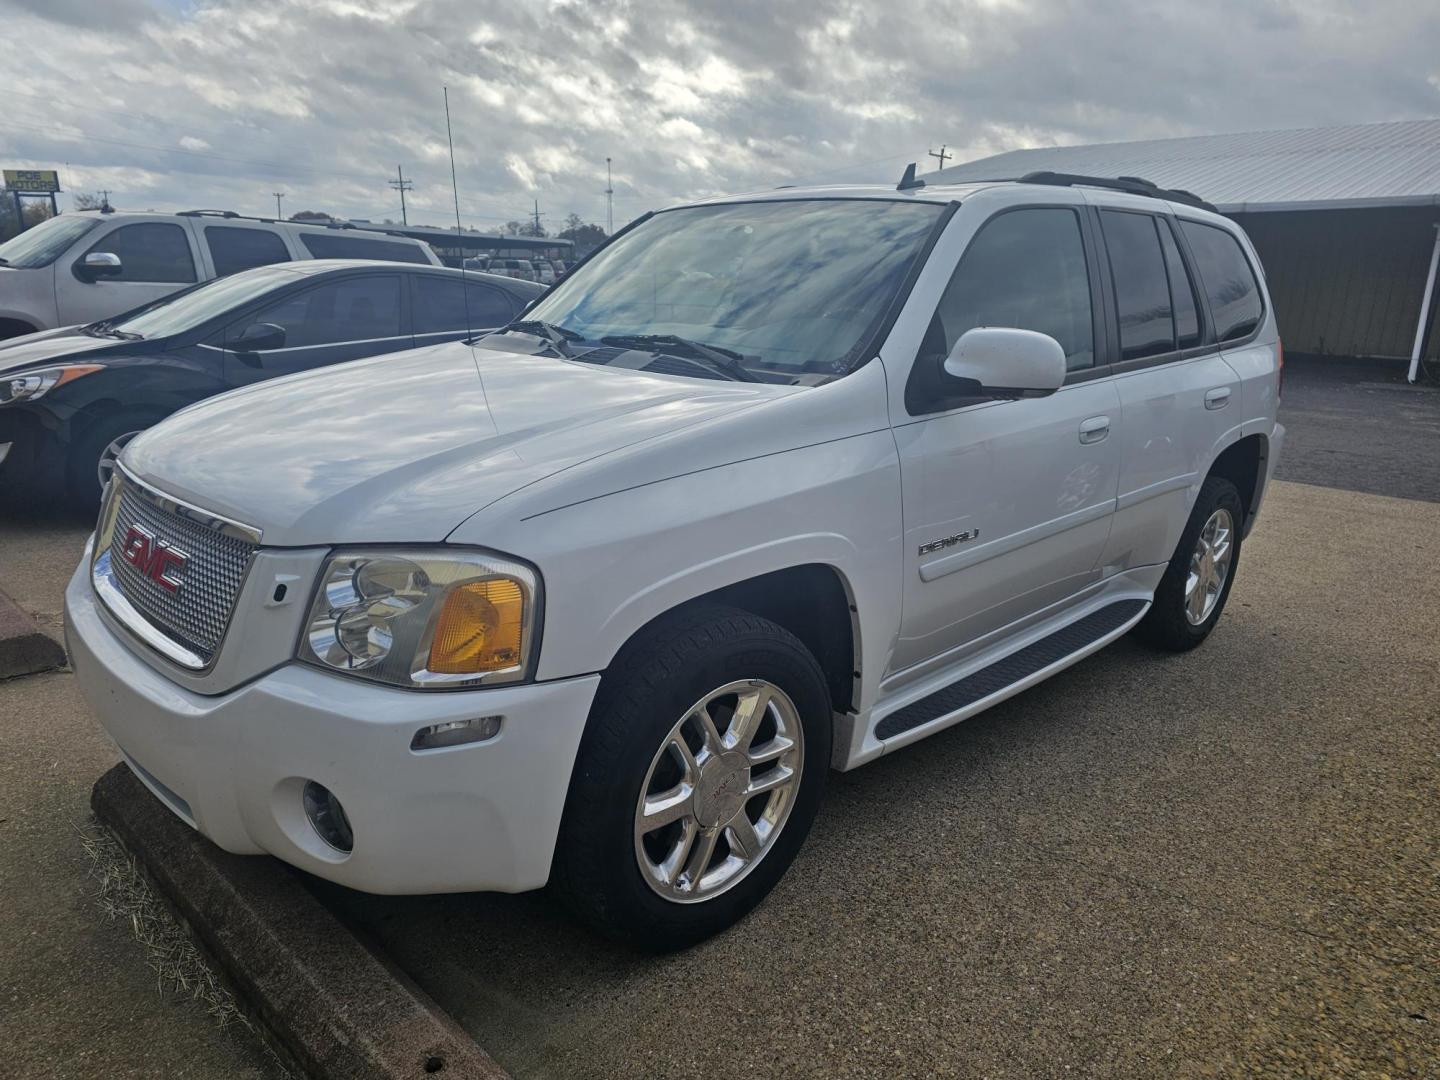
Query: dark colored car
[{"x": 70, "y": 399}]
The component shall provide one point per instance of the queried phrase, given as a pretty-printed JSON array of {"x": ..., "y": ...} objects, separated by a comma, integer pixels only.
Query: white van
[{"x": 82, "y": 267}]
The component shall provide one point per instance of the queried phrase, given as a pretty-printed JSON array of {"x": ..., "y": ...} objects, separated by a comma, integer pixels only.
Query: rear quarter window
[
  {"x": 1227, "y": 279},
  {"x": 339, "y": 246}
]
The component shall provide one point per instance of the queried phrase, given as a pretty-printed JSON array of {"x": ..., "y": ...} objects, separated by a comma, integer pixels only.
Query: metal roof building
[
  {"x": 453, "y": 247},
  {"x": 1344, "y": 219}
]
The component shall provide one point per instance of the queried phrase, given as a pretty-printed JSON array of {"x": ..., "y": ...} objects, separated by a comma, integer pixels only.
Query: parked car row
[
  {"x": 81, "y": 267},
  {"x": 544, "y": 271},
  {"x": 71, "y": 399}
]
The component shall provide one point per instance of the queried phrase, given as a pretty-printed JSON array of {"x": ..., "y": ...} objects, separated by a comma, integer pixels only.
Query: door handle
[
  {"x": 1217, "y": 398},
  {"x": 1094, "y": 429}
]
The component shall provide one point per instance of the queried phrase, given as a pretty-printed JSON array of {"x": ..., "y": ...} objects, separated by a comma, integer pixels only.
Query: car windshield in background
[
  {"x": 793, "y": 287},
  {"x": 43, "y": 244},
  {"x": 184, "y": 311}
]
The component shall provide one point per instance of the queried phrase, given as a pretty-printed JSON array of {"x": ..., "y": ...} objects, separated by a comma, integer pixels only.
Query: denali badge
[
  {"x": 154, "y": 558},
  {"x": 949, "y": 541}
]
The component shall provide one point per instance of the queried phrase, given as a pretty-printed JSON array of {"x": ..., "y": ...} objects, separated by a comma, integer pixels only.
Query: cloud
[{"x": 689, "y": 97}]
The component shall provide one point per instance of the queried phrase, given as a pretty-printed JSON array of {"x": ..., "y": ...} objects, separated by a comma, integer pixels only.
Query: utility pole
[
  {"x": 609, "y": 201},
  {"x": 537, "y": 217},
  {"x": 402, "y": 185},
  {"x": 105, "y": 200},
  {"x": 279, "y": 214},
  {"x": 942, "y": 155}
]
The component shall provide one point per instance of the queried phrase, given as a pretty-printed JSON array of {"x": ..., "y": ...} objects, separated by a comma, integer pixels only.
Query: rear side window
[
  {"x": 1142, "y": 290},
  {"x": 336, "y": 245},
  {"x": 152, "y": 251},
  {"x": 234, "y": 249},
  {"x": 439, "y": 305},
  {"x": 351, "y": 309},
  {"x": 1227, "y": 278},
  {"x": 1023, "y": 269},
  {"x": 1182, "y": 292}
]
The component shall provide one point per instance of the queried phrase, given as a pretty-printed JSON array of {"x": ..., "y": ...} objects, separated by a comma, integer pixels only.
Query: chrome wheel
[
  {"x": 106, "y": 467},
  {"x": 719, "y": 790},
  {"x": 1209, "y": 566}
]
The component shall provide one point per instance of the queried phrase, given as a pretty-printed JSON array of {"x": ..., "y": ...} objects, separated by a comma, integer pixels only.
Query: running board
[{"x": 1011, "y": 669}]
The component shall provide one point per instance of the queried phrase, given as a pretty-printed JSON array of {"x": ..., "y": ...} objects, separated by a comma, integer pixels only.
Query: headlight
[
  {"x": 30, "y": 385},
  {"x": 425, "y": 619}
]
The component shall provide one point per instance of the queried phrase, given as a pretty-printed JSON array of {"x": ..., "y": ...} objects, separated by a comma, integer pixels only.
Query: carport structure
[{"x": 1346, "y": 220}]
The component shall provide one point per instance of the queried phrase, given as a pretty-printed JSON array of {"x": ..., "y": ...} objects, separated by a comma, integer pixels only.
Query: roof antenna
[
  {"x": 908, "y": 181},
  {"x": 459, "y": 235}
]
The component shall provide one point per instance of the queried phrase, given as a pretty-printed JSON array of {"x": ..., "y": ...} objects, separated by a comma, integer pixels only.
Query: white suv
[
  {"x": 83, "y": 267},
  {"x": 768, "y": 486}
]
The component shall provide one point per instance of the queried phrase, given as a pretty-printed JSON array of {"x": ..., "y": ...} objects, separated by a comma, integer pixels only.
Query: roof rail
[
  {"x": 208, "y": 213},
  {"x": 1134, "y": 185}
]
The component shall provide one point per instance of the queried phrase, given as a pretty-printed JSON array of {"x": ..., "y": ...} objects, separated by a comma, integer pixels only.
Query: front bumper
[{"x": 477, "y": 817}]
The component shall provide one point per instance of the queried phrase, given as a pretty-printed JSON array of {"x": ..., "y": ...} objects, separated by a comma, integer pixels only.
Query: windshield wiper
[
  {"x": 104, "y": 329},
  {"x": 724, "y": 361},
  {"x": 558, "y": 336}
]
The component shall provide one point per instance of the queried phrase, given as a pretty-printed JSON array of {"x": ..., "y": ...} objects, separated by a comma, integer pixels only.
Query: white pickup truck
[{"x": 769, "y": 485}]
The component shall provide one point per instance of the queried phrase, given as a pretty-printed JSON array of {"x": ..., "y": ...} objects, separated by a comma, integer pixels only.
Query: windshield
[
  {"x": 184, "y": 311},
  {"x": 46, "y": 242},
  {"x": 791, "y": 287}
]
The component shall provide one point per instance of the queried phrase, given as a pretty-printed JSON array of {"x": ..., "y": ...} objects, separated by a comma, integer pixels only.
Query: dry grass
[{"x": 125, "y": 896}]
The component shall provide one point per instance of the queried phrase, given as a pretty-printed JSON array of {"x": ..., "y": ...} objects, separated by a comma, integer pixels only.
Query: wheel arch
[{"x": 1244, "y": 463}]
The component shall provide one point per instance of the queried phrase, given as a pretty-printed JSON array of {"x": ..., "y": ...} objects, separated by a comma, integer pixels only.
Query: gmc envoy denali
[{"x": 769, "y": 485}]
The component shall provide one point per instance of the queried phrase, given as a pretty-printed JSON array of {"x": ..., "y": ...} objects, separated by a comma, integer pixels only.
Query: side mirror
[
  {"x": 98, "y": 264},
  {"x": 1007, "y": 362},
  {"x": 258, "y": 337}
]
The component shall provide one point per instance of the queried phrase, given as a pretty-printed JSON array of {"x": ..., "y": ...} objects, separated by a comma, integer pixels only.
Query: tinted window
[
  {"x": 1227, "y": 278},
  {"x": 352, "y": 309},
  {"x": 187, "y": 309},
  {"x": 1024, "y": 269},
  {"x": 336, "y": 245},
  {"x": 1142, "y": 288},
  {"x": 149, "y": 252},
  {"x": 234, "y": 249},
  {"x": 439, "y": 305},
  {"x": 1182, "y": 292}
]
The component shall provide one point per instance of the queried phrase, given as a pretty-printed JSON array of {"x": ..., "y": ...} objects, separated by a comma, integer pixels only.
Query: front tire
[
  {"x": 93, "y": 454},
  {"x": 1192, "y": 594},
  {"x": 697, "y": 780}
]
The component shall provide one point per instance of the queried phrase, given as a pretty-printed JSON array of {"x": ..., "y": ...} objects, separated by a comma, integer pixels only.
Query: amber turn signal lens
[{"x": 481, "y": 628}]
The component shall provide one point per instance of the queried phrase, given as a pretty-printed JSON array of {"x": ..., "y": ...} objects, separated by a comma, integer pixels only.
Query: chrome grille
[{"x": 196, "y": 614}]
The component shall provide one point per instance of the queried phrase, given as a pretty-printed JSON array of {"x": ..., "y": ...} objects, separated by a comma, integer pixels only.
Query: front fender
[{"x": 611, "y": 565}]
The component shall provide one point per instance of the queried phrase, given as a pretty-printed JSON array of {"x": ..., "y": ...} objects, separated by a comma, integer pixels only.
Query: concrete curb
[
  {"x": 332, "y": 1006},
  {"x": 24, "y": 648}
]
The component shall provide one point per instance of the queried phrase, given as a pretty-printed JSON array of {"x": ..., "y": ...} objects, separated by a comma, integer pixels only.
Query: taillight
[{"x": 1279, "y": 369}]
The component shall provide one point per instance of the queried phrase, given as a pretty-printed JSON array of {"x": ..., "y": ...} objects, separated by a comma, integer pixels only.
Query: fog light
[
  {"x": 456, "y": 733},
  {"x": 327, "y": 816}
]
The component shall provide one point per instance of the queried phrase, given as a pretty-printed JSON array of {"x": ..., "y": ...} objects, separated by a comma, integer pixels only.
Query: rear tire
[
  {"x": 1192, "y": 594},
  {"x": 655, "y": 888}
]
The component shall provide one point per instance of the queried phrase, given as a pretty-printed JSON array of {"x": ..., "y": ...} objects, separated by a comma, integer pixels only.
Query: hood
[
  {"x": 402, "y": 448},
  {"x": 49, "y": 345}
]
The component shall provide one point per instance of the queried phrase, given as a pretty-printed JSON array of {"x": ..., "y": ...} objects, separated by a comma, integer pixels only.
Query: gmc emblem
[{"x": 154, "y": 558}]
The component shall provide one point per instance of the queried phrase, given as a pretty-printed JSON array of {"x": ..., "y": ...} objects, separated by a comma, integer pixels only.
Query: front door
[
  {"x": 1007, "y": 504},
  {"x": 340, "y": 319},
  {"x": 157, "y": 258}
]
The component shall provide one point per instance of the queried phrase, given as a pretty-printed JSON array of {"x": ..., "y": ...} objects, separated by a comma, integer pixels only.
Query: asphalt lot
[{"x": 1221, "y": 864}]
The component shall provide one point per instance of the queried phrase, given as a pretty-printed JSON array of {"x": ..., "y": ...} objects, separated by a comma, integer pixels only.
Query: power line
[{"x": 402, "y": 185}]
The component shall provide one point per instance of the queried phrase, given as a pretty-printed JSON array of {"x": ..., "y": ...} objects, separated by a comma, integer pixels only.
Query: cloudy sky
[{"x": 217, "y": 103}]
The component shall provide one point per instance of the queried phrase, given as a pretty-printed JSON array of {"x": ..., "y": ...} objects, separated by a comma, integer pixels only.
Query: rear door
[
  {"x": 1007, "y": 504},
  {"x": 337, "y": 319},
  {"x": 1178, "y": 396},
  {"x": 156, "y": 259},
  {"x": 442, "y": 309}
]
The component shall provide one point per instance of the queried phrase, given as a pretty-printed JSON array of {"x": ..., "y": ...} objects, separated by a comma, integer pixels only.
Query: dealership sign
[{"x": 32, "y": 181}]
